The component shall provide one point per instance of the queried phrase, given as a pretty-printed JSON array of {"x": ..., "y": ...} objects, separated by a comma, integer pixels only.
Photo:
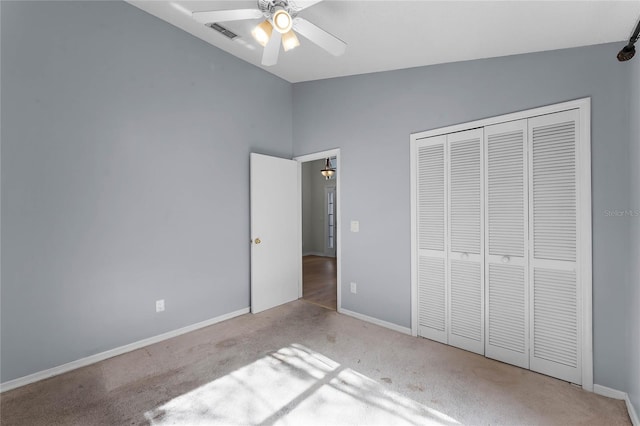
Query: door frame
[
  {"x": 305, "y": 159},
  {"x": 584, "y": 219}
]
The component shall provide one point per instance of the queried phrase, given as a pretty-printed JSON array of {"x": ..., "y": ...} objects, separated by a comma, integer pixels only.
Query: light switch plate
[{"x": 355, "y": 226}]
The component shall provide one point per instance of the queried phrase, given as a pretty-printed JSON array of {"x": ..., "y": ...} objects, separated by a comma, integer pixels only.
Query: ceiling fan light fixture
[
  {"x": 290, "y": 41},
  {"x": 281, "y": 15},
  {"x": 282, "y": 21},
  {"x": 262, "y": 33}
]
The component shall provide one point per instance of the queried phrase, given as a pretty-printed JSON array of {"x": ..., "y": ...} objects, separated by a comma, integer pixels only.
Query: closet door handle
[
  {"x": 505, "y": 259},
  {"x": 464, "y": 256}
]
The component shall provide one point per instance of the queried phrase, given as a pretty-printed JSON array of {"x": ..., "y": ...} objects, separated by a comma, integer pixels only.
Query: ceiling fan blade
[
  {"x": 303, "y": 4},
  {"x": 271, "y": 50},
  {"x": 226, "y": 15},
  {"x": 317, "y": 35}
]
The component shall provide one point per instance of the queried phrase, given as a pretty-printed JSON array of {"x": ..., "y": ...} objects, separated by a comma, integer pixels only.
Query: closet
[{"x": 501, "y": 239}]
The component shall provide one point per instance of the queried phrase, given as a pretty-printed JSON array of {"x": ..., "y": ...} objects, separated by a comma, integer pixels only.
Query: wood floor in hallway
[{"x": 319, "y": 281}]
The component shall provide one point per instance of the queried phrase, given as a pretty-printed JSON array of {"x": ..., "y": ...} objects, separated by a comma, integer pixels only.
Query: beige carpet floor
[{"x": 300, "y": 364}]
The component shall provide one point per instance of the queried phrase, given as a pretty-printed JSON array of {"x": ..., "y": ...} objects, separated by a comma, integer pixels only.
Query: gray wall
[
  {"x": 370, "y": 118},
  {"x": 633, "y": 321},
  {"x": 313, "y": 205},
  {"x": 125, "y": 152}
]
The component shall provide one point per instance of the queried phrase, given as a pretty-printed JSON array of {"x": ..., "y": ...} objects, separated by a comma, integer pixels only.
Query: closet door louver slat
[
  {"x": 555, "y": 300},
  {"x": 507, "y": 325},
  {"x": 431, "y": 197},
  {"x": 465, "y": 254},
  {"x": 466, "y": 304},
  {"x": 431, "y": 293},
  {"x": 431, "y": 241}
]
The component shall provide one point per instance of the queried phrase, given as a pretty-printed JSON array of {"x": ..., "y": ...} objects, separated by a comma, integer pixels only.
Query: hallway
[{"x": 319, "y": 285}]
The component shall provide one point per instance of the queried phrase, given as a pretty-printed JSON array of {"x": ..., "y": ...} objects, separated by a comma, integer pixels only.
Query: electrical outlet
[
  {"x": 355, "y": 226},
  {"x": 354, "y": 290},
  {"x": 160, "y": 305}
]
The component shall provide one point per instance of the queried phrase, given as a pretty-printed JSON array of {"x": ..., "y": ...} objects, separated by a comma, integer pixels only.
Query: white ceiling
[{"x": 387, "y": 35}]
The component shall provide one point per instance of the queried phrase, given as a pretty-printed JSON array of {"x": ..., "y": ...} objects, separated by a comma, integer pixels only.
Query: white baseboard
[
  {"x": 45, "y": 374},
  {"x": 616, "y": 394},
  {"x": 608, "y": 392},
  {"x": 376, "y": 321},
  {"x": 635, "y": 420}
]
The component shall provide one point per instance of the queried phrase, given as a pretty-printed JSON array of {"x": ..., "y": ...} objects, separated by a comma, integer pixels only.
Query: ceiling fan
[{"x": 281, "y": 16}]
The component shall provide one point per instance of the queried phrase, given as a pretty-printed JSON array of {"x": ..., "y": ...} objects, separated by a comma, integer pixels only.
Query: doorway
[{"x": 320, "y": 230}]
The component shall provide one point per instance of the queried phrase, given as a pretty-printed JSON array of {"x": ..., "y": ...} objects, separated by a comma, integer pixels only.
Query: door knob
[
  {"x": 505, "y": 259},
  {"x": 464, "y": 256},
  {"x": 258, "y": 241}
]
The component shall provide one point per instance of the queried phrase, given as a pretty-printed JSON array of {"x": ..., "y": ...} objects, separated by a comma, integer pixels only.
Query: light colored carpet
[
  {"x": 294, "y": 386},
  {"x": 300, "y": 364}
]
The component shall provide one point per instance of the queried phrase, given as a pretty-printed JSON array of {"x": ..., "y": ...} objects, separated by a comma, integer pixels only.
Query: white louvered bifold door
[
  {"x": 431, "y": 239},
  {"x": 466, "y": 242},
  {"x": 555, "y": 296},
  {"x": 507, "y": 293}
]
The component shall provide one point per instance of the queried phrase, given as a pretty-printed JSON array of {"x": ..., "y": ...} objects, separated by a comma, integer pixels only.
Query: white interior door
[
  {"x": 556, "y": 326},
  {"x": 275, "y": 259},
  {"x": 507, "y": 318},
  {"x": 466, "y": 241},
  {"x": 432, "y": 239},
  {"x": 535, "y": 253}
]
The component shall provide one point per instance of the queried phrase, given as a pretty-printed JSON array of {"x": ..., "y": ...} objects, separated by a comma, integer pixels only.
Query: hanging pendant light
[{"x": 328, "y": 171}]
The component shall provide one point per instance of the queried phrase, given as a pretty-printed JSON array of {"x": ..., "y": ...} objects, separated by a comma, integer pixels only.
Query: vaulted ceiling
[{"x": 388, "y": 35}]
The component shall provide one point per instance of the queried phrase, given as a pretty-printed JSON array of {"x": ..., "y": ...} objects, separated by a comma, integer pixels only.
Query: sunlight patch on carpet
[{"x": 294, "y": 386}]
